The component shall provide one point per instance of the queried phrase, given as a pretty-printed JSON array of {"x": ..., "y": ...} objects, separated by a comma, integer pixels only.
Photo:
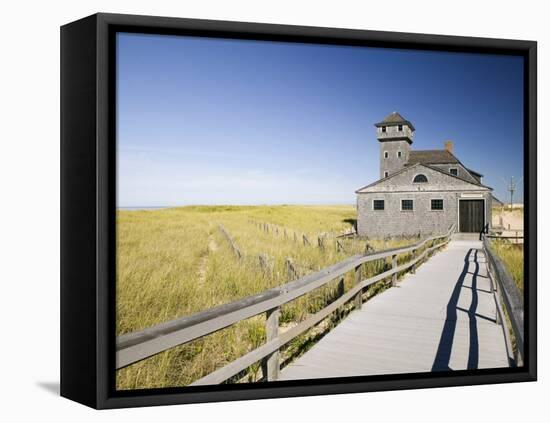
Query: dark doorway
[{"x": 471, "y": 215}]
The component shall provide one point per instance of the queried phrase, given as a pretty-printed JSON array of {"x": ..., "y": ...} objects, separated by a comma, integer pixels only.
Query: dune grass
[
  {"x": 176, "y": 262},
  {"x": 512, "y": 255}
]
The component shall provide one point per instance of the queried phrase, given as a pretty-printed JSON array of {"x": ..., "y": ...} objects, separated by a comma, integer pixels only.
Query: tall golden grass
[
  {"x": 512, "y": 255},
  {"x": 176, "y": 262}
]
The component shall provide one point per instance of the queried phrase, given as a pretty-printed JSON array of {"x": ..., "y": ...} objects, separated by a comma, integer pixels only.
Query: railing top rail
[
  {"x": 185, "y": 329},
  {"x": 513, "y": 300}
]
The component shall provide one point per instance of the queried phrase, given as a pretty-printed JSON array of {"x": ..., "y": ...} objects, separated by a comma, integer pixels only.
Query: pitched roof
[
  {"x": 395, "y": 119},
  {"x": 473, "y": 172},
  {"x": 496, "y": 200},
  {"x": 431, "y": 157},
  {"x": 429, "y": 167}
]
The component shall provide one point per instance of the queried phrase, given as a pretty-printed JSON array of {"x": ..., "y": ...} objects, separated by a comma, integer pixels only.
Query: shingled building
[{"x": 424, "y": 191}]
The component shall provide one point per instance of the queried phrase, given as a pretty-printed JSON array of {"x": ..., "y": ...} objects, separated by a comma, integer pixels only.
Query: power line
[{"x": 512, "y": 187}]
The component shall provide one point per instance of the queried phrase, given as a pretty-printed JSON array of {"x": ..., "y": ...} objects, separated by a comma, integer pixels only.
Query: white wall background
[{"x": 29, "y": 239}]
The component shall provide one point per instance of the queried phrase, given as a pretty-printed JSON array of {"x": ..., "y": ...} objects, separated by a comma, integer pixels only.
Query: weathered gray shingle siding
[
  {"x": 462, "y": 172},
  {"x": 394, "y": 222},
  {"x": 437, "y": 180},
  {"x": 393, "y": 163}
]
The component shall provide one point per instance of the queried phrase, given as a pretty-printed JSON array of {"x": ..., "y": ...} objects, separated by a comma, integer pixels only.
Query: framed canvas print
[{"x": 257, "y": 211}]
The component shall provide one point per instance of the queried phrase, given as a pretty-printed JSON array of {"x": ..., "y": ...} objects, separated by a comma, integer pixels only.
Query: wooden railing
[
  {"x": 139, "y": 345},
  {"x": 508, "y": 294}
]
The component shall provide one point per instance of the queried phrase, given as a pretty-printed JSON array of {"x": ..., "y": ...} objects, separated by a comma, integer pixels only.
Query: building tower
[{"x": 395, "y": 135}]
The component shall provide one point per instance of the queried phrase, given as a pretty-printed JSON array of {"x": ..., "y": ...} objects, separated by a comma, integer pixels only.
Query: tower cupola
[{"x": 395, "y": 134}]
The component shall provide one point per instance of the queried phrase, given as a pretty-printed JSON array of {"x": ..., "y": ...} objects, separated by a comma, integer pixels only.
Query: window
[
  {"x": 386, "y": 174},
  {"x": 386, "y": 154},
  {"x": 453, "y": 171},
  {"x": 437, "y": 204},
  {"x": 399, "y": 154},
  {"x": 378, "y": 204},
  {"x": 383, "y": 129},
  {"x": 399, "y": 127},
  {"x": 419, "y": 179},
  {"x": 407, "y": 205}
]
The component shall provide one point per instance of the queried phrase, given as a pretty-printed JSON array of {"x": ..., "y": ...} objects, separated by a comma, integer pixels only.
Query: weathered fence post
[
  {"x": 413, "y": 269},
  {"x": 394, "y": 267},
  {"x": 358, "y": 300},
  {"x": 232, "y": 244},
  {"x": 264, "y": 263},
  {"x": 291, "y": 270},
  {"x": 321, "y": 242},
  {"x": 270, "y": 363},
  {"x": 306, "y": 241}
]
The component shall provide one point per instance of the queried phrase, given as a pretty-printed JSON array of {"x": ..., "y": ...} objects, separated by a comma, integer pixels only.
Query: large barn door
[{"x": 471, "y": 215}]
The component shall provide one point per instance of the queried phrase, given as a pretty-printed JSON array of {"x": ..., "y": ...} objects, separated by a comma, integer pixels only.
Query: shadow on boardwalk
[
  {"x": 440, "y": 318},
  {"x": 443, "y": 355}
]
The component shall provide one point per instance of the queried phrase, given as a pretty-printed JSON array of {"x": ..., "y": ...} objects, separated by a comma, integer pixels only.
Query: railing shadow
[{"x": 443, "y": 355}]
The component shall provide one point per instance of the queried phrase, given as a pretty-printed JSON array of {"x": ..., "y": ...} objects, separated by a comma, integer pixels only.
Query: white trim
[
  {"x": 458, "y": 211},
  {"x": 471, "y": 195},
  {"x": 401, "y": 204},
  {"x": 378, "y": 199}
]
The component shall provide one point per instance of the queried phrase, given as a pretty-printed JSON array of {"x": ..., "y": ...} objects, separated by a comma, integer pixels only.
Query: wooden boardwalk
[{"x": 441, "y": 318}]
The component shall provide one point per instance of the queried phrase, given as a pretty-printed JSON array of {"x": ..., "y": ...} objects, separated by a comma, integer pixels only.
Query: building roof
[
  {"x": 479, "y": 184},
  {"x": 431, "y": 157},
  {"x": 394, "y": 119},
  {"x": 496, "y": 200},
  {"x": 474, "y": 172}
]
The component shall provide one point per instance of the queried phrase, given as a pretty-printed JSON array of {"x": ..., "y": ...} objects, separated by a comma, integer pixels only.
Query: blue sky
[{"x": 211, "y": 121}]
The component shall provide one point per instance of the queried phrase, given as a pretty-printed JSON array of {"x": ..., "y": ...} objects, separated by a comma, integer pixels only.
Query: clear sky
[{"x": 212, "y": 121}]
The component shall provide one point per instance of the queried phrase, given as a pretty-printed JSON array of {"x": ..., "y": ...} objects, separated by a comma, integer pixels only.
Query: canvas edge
[{"x": 105, "y": 221}]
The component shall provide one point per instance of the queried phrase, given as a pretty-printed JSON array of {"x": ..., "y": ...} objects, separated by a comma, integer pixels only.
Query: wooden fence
[
  {"x": 139, "y": 345},
  {"x": 508, "y": 294}
]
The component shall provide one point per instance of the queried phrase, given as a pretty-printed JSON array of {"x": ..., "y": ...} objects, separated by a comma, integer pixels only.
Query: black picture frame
[{"x": 88, "y": 209}]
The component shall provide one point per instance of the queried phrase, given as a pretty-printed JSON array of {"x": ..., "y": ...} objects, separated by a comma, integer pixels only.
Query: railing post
[
  {"x": 340, "y": 293},
  {"x": 270, "y": 363},
  {"x": 413, "y": 269},
  {"x": 358, "y": 300},
  {"x": 394, "y": 267}
]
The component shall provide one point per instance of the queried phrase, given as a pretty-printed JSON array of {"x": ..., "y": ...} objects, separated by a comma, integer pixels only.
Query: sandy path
[{"x": 212, "y": 247}]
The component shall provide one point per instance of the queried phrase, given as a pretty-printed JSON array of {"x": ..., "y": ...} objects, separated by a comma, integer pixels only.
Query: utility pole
[{"x": 512, "y": 188}]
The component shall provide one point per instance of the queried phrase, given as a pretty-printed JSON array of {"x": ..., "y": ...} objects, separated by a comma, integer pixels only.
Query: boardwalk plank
[{"x": 440, "y": 318}]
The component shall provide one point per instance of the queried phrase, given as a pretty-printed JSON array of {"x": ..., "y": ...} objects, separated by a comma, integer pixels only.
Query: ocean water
[{"x": 143, "y": 208}]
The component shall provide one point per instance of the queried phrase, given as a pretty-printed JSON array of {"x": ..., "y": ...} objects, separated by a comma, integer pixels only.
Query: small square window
[
  {"x": 386, "y": 154},
  {"x": 407, "y": 205},
  {"x": 453, "y": 171},
  {"x": 386, "y": 174},
  {"x": 383, "y": 129},
  {"x": 437, "y": 204},
  {"x": 399, "y": 154},
  {"x": 378, "y": 204},
  {"x": 399, "y": 127}
]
